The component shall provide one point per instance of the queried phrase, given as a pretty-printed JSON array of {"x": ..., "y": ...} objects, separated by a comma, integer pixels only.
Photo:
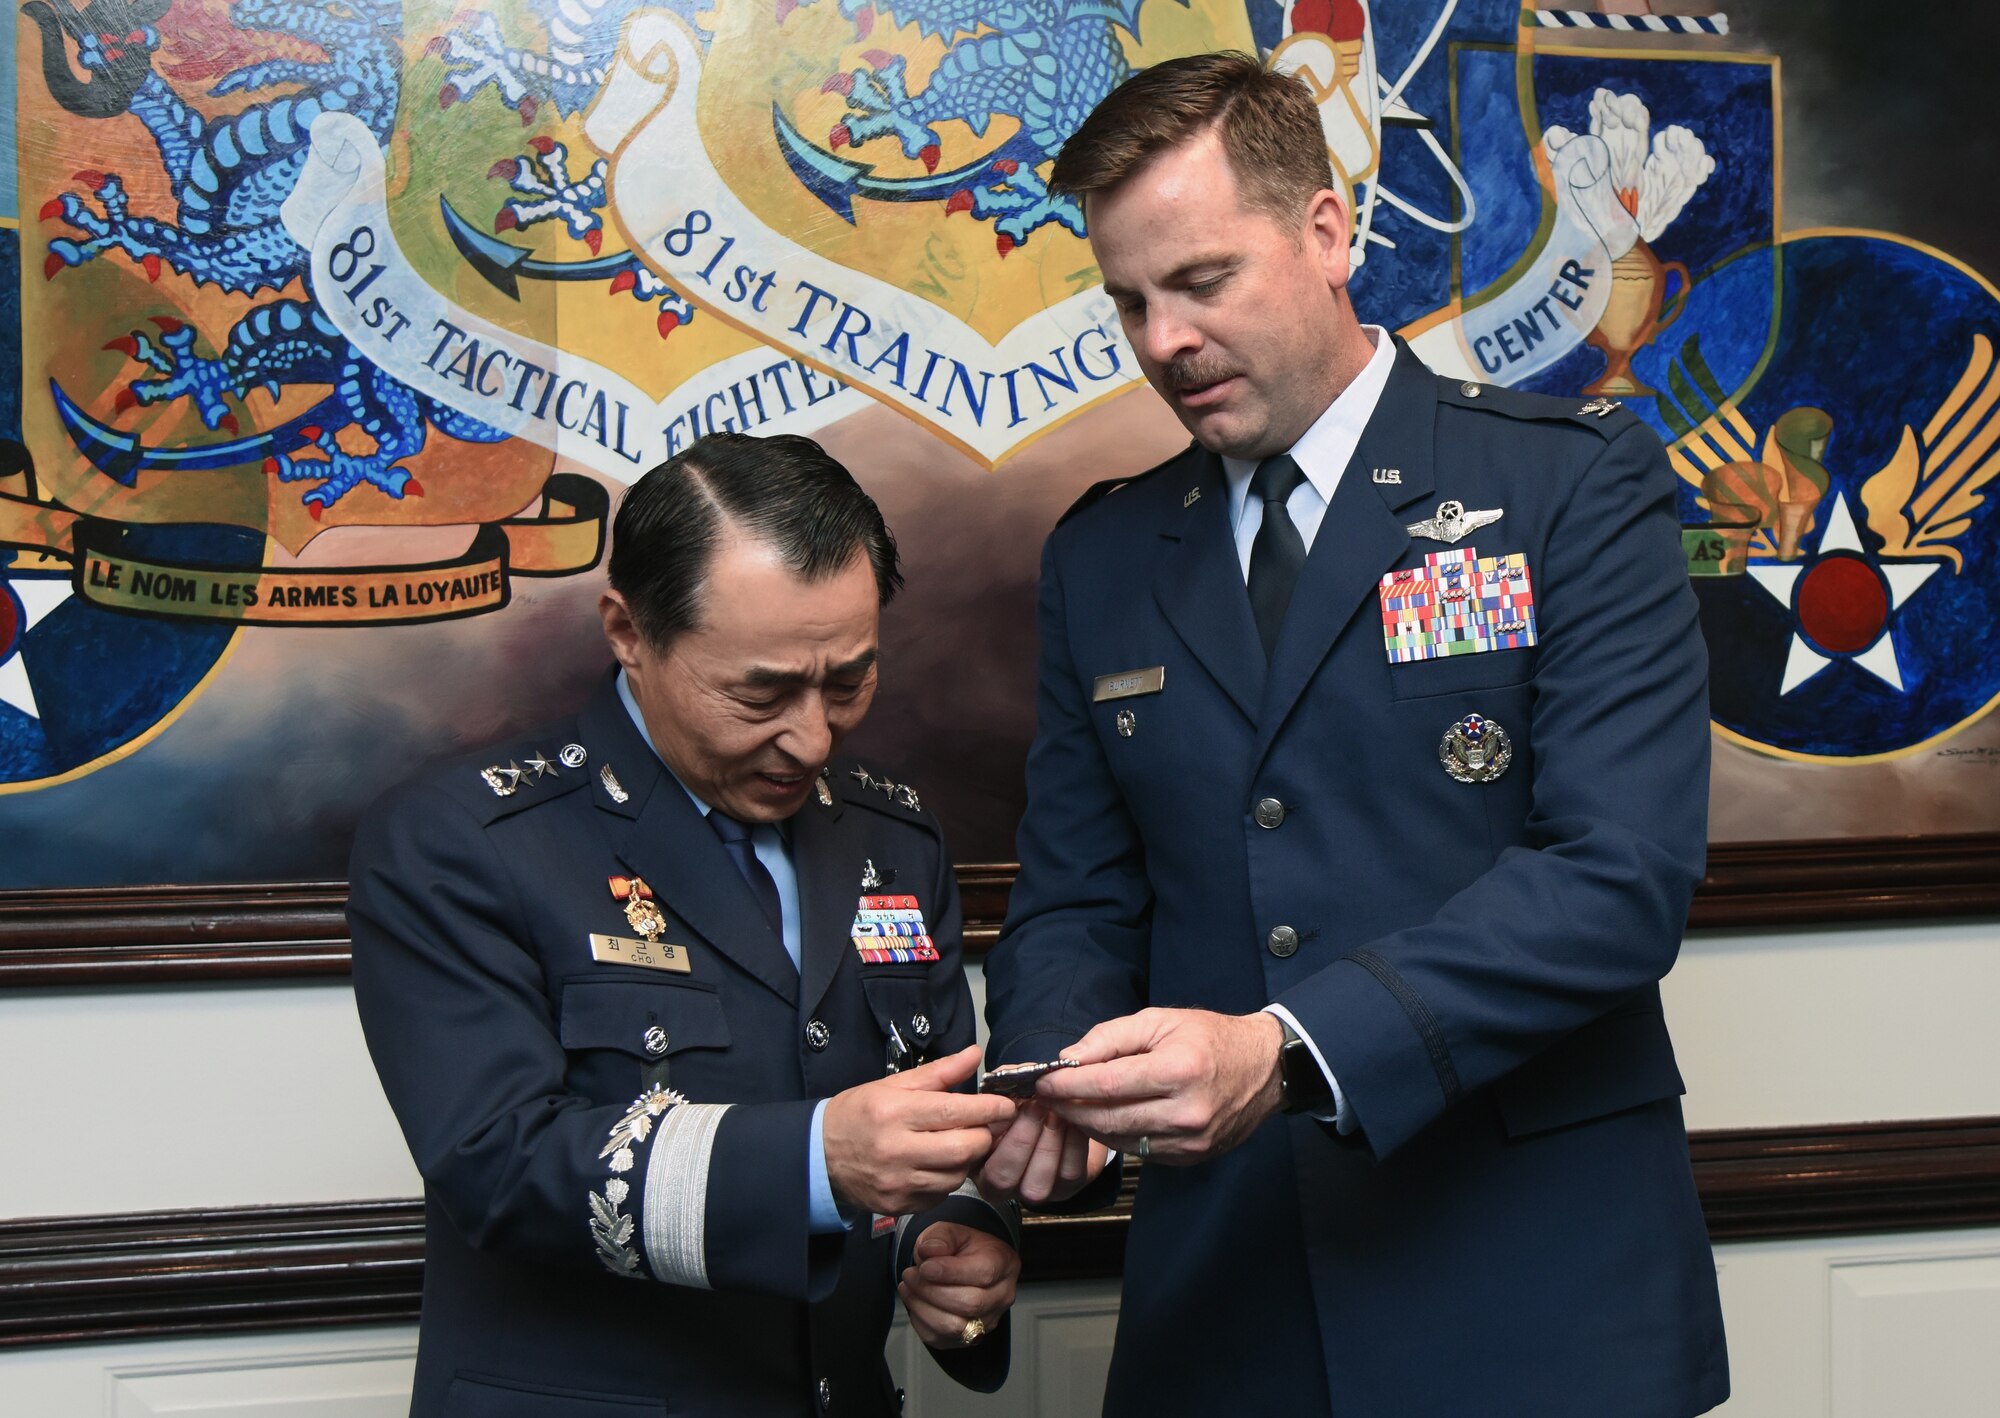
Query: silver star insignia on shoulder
[
  {"x": 540, "y": 766},
  {"x": 1453, "y": 522},
  {"x": 1598, "y": 408}
]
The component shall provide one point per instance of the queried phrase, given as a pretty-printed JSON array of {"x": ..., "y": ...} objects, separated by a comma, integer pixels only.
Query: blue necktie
[
  {"x": 1279, "y": 552},
  {"x": 736, "y": 838}
]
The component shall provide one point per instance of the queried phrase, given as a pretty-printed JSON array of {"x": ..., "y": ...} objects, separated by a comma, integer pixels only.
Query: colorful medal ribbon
[{"x": 890, "y": 930}]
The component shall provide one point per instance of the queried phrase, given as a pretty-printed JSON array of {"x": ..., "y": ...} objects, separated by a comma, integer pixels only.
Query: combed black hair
[{"x": 786, "y": 492}]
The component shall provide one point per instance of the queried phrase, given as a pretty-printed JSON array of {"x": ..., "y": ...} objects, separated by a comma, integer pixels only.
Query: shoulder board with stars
[
  {"x": 509, "y": 778},
  {"x": 860, "y": 785},
  {"x": 1607, "y": 417}
]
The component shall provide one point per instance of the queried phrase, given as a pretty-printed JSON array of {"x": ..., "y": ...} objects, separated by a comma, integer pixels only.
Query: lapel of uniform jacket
[
  {"x": 1200, "y": 586},
  {"x": 670, "y": 845},
  {"x": 829, "y": 889},
  {"x": 1362, "y": 535}
]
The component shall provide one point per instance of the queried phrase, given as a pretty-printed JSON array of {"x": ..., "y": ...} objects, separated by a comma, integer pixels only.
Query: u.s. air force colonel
[
  {"x": 671, "y": 1011},
  {"x": 1366, "y": 803}
]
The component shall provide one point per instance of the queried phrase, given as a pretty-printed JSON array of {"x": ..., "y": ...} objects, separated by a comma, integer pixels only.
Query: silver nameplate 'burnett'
[
  {"x": 611, "y": 784},
  {"x": 1475, "y": 750},
  {"x": 1127, "y": 683},
  {"x": 1453, "y": 522}
]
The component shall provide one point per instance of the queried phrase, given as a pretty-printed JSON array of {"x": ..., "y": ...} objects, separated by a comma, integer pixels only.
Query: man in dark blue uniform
[
  {"x": 671, "y": 1011},
  {"x": 1367, "y": 799}
]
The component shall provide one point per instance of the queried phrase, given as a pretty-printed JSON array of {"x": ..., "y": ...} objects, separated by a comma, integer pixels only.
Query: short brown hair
[{"x": 1267, "y": 121}]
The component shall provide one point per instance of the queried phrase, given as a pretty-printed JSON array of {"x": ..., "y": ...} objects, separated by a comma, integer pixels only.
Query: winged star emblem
[{"x": 1453, "y": 522}]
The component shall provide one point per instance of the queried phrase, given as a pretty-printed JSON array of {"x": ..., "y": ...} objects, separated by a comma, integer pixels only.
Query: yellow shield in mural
[{"x": 866, "y": 191}]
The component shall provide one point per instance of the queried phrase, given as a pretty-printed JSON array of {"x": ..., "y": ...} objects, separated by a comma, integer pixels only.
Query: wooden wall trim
[
  {"x": 72, "y": 1279},
  {"x": 129, "y": 935}
]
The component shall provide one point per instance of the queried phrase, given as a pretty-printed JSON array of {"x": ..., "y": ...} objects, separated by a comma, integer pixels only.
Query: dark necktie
[
  {"x": 1279, "y": 551},
  {"x": 736, "y": 837}
]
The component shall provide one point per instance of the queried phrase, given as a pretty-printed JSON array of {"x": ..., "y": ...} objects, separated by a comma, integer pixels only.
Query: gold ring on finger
[{"x": 975, "y": 1329}]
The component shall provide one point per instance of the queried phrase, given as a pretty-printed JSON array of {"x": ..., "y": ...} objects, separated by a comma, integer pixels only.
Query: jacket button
[
  {"x": 1284, "y": 942},
  {"x": 818, "y": 1035},
  {"x": 1270, "y": 812},
  {"x": 825, "y": 1385},
  {"x": 656, "y": 1041},
  {"x": 921, "y": 1026},
  {"x": 1469, "y": 389}
]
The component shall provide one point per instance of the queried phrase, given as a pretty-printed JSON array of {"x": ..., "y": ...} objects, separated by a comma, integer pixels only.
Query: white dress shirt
[{"x": 1322, "y": 454}]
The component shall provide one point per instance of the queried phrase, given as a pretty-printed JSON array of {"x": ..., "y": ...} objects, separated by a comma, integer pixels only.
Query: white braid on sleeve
[{"x": 676, "y": 1207}]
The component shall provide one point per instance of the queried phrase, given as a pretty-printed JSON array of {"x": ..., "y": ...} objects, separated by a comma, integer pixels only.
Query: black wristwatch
[{"x": 1303, "y": 1086}]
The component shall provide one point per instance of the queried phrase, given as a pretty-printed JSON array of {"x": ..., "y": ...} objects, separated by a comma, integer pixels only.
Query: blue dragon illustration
[
  {"x": 230, "y": 176},
  {"x": 1045, "y": 63},
  {"x": 583, "y": 37}
]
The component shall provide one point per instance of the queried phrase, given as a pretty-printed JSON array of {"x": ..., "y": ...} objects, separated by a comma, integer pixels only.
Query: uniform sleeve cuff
[
  {"x": 823, "y": 1216},
  {"x": 1342, "y": 1116}
]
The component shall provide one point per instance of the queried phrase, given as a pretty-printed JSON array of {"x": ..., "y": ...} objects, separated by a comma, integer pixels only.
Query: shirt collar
[
  {"x": 1323, "y": 451},
  {"x": 631, "y": 704}
]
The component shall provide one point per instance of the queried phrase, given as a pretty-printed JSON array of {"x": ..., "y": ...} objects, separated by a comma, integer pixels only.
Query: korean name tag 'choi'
[
  {"x": 646, "y": 954},
  {"x": 890, "y": 930},
  {"x": 1457, "y": 603}
]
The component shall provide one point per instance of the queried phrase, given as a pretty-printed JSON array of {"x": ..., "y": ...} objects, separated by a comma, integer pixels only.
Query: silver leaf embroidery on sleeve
[{"x": 610, "y": 1228}]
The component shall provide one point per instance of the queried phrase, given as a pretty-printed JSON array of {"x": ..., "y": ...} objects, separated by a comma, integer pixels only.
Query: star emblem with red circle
[{"x": 1844, "y": 603}]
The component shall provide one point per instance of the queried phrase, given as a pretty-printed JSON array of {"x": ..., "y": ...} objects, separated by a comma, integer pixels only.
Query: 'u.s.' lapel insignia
[
  {"x": 1389, "y": 477},
  {"x": 1453, "y": 521},
  {"x": 1193, "y": 496}
]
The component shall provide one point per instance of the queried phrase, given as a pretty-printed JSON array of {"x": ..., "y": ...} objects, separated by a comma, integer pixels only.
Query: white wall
[{"x": 245, "y": 1095}]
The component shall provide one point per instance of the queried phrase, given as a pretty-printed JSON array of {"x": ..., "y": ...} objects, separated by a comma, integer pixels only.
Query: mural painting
[{"x": 333, "y": 329}]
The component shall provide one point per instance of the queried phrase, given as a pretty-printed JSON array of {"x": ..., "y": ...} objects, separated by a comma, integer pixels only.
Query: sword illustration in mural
[{"x": 359, "y": 263}]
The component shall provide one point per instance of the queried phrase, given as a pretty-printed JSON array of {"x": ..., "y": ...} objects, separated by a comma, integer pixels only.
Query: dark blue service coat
[
  {"x": 1514, "y": 1228},
  {"x": 563, "y": 1279}
]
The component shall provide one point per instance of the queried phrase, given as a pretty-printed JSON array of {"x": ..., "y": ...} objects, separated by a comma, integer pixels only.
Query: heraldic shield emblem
[{"x": 866, "y": 189}]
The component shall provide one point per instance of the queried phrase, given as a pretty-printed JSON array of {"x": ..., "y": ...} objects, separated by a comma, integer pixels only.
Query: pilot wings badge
[{"x": 1453, "y": 522}]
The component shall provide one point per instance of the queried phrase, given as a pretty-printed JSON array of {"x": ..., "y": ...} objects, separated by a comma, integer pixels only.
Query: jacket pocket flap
[
  {"x": 624, "y": 1015},
  {"x": 1620, "y": 1061},
  {"x": 1460, "y": 674},
  {"x": 905, "y": 1002}
]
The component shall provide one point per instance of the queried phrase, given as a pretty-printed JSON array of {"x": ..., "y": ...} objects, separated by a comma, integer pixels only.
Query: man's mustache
[{"x": 1194, "y": 372}]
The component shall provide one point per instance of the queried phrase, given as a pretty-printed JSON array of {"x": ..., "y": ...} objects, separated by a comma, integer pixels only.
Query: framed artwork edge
[{"x": 126, "y": 936}]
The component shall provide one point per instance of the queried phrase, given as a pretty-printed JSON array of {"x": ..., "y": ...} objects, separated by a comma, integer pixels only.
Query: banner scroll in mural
[
  {"x": 568, "y": 537},
  {"x": 526, "y": 389},
  {"x": 1548, "y": 310}
]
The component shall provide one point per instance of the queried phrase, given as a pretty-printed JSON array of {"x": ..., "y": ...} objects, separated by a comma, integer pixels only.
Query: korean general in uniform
[
  {"x": 670, "y": 1007},
  {"x": 1366, "y": 803}
]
